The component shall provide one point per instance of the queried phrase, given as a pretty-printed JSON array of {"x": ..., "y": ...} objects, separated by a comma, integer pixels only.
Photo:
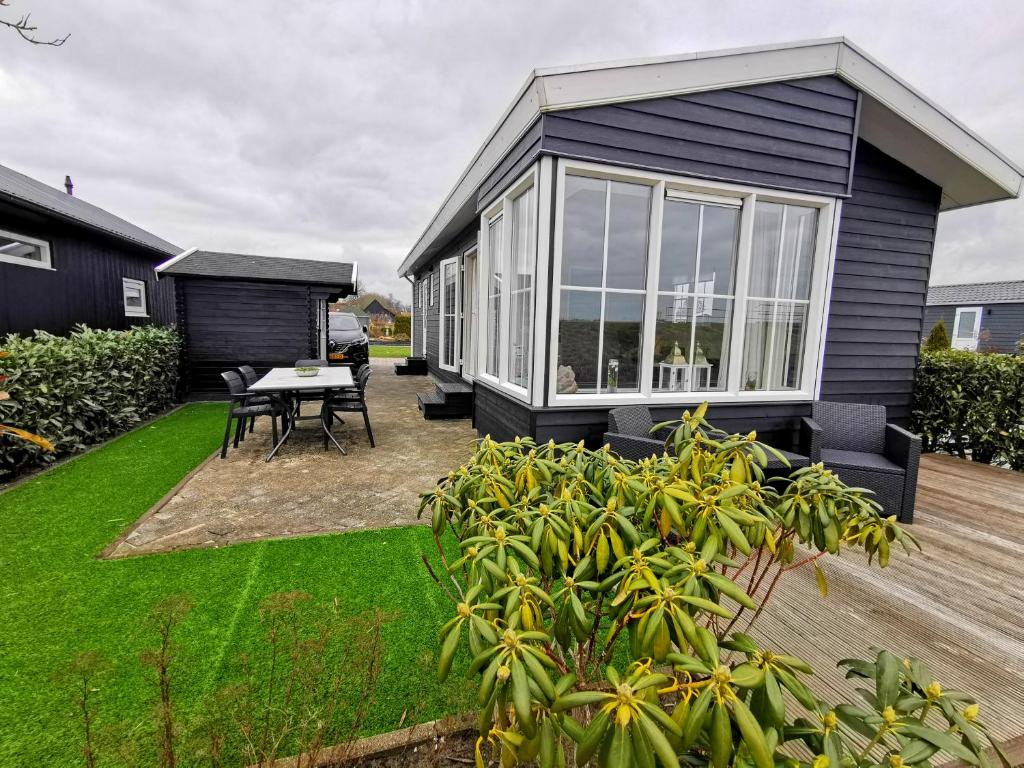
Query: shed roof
[
  {"x": 28, "y": 191},
  {"x": 276, "y": 269},
  {"x": 894, "y": 117},
  {"x": 999, "y": 292}
]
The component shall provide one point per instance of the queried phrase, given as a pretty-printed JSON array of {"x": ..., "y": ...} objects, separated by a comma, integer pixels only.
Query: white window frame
[
  {"x": 503, "y": 207},
  {"x": 131, "y": 282},
  {"x": 454, "y": 367},
  {"x": 977, "y": 327},
  {"x": 42, "y": 245},
  {"x": 717, "y": 192}
]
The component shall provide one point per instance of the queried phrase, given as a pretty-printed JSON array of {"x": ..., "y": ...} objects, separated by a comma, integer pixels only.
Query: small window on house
[
  {"x": 26, "y": 251},
  {"x": 134, "y": 297}
]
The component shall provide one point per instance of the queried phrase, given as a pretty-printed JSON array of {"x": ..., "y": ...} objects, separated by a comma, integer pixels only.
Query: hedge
[
  {"x": 971, "y": 403},
  {"x": 80, "y": 389}
]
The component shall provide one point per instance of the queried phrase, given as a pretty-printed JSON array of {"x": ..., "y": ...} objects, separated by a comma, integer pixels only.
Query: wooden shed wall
[
  {"x": 84, "y": 285},
  {"x": 228, "y": 323}
]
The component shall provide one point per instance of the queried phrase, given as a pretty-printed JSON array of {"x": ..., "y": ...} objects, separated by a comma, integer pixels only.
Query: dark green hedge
[
  {"x": 970, "y": 403},
  {"x": 80, "y": 389}
]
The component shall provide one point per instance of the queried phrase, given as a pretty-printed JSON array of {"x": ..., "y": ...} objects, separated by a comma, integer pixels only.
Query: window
[
  {"x": 604, "y": 263},
  {"x": 696, "y": 293},
  {"x": 509, "y": 236},
  {"x": 134, "y": 292},
  {"x": 447, "y": 338},
  {"x": 779, "y": 291},
  {"x": 668, "y": 285},
  {"x": 26, "y": 251}
]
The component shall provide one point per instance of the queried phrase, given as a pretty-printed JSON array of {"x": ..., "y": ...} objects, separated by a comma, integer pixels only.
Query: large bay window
[
  {"x": 508, "y": 266},
  {"x": 668, "y": 287}
]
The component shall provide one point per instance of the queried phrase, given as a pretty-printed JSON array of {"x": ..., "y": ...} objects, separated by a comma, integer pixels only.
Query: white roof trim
[
  {"x": 174, "y": 260},
  {"x": 983, "y": 173}
]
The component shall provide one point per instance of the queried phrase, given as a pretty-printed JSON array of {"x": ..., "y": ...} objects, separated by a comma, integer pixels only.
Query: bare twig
[{"x": 27, "y": 30}]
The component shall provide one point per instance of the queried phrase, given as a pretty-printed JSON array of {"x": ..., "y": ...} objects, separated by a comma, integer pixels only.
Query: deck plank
[{"x": 958, "y": 605}]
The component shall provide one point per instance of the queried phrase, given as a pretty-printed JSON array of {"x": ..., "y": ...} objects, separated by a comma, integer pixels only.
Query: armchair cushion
[{"x": 876, "y": 462}]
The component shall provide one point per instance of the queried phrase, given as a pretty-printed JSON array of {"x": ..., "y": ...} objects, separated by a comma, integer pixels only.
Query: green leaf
[
  {"x": 887, "y": 679},
  {"x": 661, "y": 745},
  {"x": 943, "y": 741},
  {"x": 451, "y": 643},
  {"x": 753, "y": 736}
]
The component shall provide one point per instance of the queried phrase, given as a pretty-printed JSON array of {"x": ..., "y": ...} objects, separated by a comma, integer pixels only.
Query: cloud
[{"x": 323, "y": 129}]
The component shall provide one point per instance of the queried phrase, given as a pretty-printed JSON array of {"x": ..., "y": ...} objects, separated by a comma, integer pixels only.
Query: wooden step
[
  {"x": 413, "y": 366},
  {"x": 434, "y": 405},
  {"x": 456, "y": 392}
]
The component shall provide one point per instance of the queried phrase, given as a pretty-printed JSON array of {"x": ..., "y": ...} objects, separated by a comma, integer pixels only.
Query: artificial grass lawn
[
  {"x": 381, "y": 350},
  {"x": 57, "y": 599}
]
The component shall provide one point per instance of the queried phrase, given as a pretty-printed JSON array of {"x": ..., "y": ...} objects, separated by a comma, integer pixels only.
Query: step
[
  {"x": 456, "y": 392},
  {"x": 413, "y": 366},
  {"x": 435, "y": 406}
]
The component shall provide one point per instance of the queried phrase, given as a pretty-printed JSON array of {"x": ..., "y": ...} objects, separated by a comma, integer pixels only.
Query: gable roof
[
  {"x": 275, "y": 269},
  {"x": 28, "y": 191},
  {"x": 362, "y": 302},
  {"x": 965, "y": 294},
  {"x": 894, "y": 117}
]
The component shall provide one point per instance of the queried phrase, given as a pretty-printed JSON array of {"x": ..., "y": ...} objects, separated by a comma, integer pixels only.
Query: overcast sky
[{"x": 335, "y": 129}]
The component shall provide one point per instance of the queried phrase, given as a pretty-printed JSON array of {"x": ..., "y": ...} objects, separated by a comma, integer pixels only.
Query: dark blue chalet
[
  {"x": 750, "y": 227},
  {"x": 982, "y": 317},
  {"x": 64, "y": 261}
]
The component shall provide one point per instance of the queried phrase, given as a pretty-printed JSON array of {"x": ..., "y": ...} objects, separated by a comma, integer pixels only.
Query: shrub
[
  {"x": 969, "y": 403},
  {"x": 403, "y": 325},
  {"x": 938, "y": 339},
  {"x": 599, "y": 600},
  {"x": 80, "y": 389}
]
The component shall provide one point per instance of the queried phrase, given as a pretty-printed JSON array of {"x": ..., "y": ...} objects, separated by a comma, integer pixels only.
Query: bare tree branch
[{"x": 24, "y": 27}]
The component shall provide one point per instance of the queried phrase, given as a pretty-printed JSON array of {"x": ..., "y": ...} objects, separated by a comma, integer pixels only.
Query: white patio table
[{"x": 278, "y": 383}]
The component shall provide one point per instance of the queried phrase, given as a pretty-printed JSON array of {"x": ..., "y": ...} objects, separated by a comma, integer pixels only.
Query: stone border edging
[{"x": 381, "y": 745}]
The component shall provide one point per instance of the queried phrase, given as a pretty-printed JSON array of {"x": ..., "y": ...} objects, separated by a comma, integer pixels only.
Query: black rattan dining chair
[
  {"x": 309, "y": 395},
  {"x": 242, "y": 409},
  {"x": 250, "y": 377},
  {"x": 350, "y": 400}
]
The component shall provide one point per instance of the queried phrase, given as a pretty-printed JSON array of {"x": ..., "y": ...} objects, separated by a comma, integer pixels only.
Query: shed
[
  {"x": 751, "y": 227},
  {"x": 237, "y": 309},
  {"x": 984, "y": 317}
]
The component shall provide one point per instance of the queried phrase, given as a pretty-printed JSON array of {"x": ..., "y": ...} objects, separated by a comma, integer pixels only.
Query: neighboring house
[
  {"x": 751, "y": 227},
  {"x": 64, "y": 261},
  {"x": 373, "y": 310},
  {"x": 988, "y": 317},
  {"x": 263, "y": 311}
]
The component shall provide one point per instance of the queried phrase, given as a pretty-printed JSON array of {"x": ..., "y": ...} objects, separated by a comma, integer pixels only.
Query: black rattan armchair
[
  {"x": 309, "y": 395},
  {"x": 629, "y": 435},
  {"x": 351, "y": 400},
  {"x": 866, "y": 452},
  {"x": 242, "y": 408}
]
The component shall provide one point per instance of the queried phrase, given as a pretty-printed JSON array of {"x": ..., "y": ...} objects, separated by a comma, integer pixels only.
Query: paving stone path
[{"x": 306, "y": 490}]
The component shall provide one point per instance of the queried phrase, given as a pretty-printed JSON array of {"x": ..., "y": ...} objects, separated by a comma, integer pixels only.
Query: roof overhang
[{"x": 894, "y": 117}]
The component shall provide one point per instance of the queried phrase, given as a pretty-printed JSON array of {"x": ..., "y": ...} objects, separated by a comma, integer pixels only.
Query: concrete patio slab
[{"x": 306, "y": 490}]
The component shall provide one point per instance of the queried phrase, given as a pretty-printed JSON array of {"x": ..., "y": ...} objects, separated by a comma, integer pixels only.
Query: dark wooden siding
[
  {"x": 85, "y": 283},
  {"x": 513, "y": 165},
  {"x": 797, "y": 135},
  {"x": 228, "y": 323},
  {"x": 883, "y": 258},
  {"x": 431, "y": 272},
  {"x": 1003, "y": 322}
]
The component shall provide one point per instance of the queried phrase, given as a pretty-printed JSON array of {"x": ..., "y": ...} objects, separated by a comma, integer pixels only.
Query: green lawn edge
[{"x": 58, "y": 599}]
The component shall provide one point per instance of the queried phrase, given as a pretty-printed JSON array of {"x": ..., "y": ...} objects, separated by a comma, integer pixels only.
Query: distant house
[
  {"x": 64, "y": 261},
  {"x": 987, "y": 317},
  {"x": 373, "y": 310},
  {"x": 753, "y": 228}
]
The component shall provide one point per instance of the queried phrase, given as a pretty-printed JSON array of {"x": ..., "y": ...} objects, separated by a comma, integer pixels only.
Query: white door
[
  {"x": 966, "y": 327},
  {"x": 469, "y": 313}
]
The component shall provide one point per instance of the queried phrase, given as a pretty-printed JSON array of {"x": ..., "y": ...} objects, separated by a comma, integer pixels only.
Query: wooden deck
[{"x": 958, "y": 606}]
